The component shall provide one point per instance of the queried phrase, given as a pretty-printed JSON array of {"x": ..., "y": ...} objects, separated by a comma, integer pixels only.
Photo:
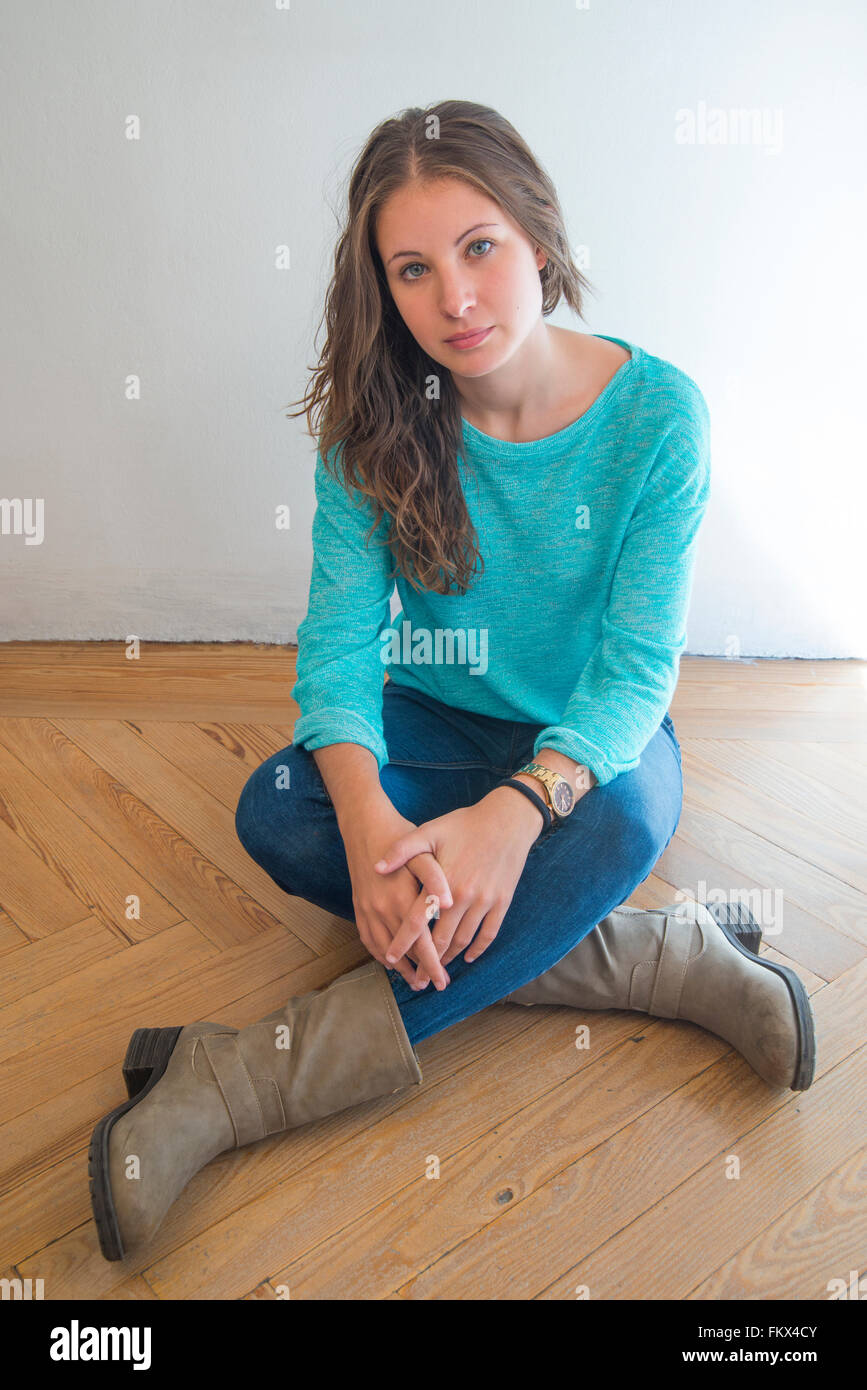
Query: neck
[{"x": 521, "y": 390}]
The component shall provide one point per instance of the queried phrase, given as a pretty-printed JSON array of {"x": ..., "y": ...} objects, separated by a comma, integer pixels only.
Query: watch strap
[
  {"x": 550, "y": 780},
  {"x": 547, "y": 813}
]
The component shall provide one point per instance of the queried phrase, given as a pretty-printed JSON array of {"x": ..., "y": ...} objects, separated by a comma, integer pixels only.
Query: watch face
[{"x": 564, "y": 798}]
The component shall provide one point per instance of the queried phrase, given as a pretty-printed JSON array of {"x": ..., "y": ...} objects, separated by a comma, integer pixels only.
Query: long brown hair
[{"x": 397, "y": 446}]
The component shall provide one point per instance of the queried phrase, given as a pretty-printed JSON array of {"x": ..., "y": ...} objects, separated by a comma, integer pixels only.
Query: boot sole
[
  {"x": 147, "y": 1057},
  {"x": 742, "y": 929}
]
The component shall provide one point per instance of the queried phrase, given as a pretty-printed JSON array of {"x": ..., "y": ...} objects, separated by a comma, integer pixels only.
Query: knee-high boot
[
  {"x": 198, "y": 1090},
  {"x": 696, "y": 962}
]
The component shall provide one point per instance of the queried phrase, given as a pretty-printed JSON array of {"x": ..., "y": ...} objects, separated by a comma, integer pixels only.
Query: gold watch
[{"x": 557, "y": 791}]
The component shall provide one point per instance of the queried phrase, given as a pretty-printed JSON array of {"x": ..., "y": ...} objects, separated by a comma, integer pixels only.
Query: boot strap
[
  {"x": 672, "y": 968},
  {"x": 236, "y": 1086}
]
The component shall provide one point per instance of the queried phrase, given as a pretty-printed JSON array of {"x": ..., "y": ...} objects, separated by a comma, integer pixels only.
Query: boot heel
[
  {"x": 149, "y": 1050},
  {"x": 737, "y": 920}
]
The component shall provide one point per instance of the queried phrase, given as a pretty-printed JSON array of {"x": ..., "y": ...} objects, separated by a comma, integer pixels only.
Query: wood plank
[
  {"x": 854, "y": 752},
  {"x": 804, "y": 727},
  {"x": 197, "y": 888},
  {"x": 218, "y": 765},
  {"x": 820, "y": 1237},
  {"x": 242, "y": 681},
  {"x": 784, "y": 783},
  {"x": 218, "y": 757},
  {"x": 38, "y": 1142},
  {"x": 11, "y": 935},
  {"x": 131, "y": 1290},
  {"x": 829, "y": 765},
  {"x": 810, "y": 981},
  {"x": 52, "y": 959},
  {"x": 770, "y": 671},
  {"x": 791, "y": 830},
  {"x": 33, "y": 893},
  {"x": 756, "y": 697},
  {"x": 94, "y": 873},
  {"x": 202, "y": 821},
  {"x": 50, "y": 1038},
  {"x": 721, "y": 1214}
]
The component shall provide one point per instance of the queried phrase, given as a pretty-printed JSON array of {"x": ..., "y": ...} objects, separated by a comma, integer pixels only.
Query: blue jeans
[{"x": 441, "y": 758}]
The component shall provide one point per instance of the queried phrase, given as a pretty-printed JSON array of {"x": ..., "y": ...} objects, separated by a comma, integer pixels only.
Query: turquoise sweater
[{"x": 589, "y": 541}]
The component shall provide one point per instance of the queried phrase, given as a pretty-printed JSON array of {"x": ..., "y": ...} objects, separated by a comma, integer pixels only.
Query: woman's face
[{"x": 456, "y": 261}]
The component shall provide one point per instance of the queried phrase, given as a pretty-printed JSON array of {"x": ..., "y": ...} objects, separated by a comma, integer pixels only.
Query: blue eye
[{"x": 481, "y": 241}]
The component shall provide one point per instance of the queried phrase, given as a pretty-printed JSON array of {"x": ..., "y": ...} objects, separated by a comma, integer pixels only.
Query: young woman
[{"x": 536, "y": 495}]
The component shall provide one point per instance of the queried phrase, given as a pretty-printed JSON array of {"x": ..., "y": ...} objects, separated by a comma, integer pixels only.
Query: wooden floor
[{"x": 559, "y": 1168}]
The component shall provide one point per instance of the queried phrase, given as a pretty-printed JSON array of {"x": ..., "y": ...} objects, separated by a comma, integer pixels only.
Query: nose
[{"x": 457, "y": 297}]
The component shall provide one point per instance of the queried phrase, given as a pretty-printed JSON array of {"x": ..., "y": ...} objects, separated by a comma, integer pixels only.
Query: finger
[
  {"x": 381, "y": 944},
  {"x": 413, "y": 925},
  {"x": 442, "y": 937},
  {"x": 393, "y": 958},
  {"x": 414, "y": 930},
  {"x": 483, "y": 939},
  {"x": 428, "y": 868},
  {"x": 429, "y": 962},
  {"x": 407, "y": 935},
  {"x": 403, "y": 968},
  {"x": 420, "y": 979},
  {"x": 469, "y": 925},
  {"x": 490, "y": 928}
]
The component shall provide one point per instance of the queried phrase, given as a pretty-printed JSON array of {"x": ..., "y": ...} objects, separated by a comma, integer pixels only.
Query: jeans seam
[{"x": 487, "y": 767}]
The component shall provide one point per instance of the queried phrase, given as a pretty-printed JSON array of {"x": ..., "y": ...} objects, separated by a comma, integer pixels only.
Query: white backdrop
[{"x": 156, "y": 158}]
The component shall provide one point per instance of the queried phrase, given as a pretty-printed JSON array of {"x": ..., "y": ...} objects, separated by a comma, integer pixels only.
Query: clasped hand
[{"x": 482, "y": 853}]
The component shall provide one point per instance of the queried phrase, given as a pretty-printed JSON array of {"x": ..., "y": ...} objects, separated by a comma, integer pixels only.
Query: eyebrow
[{"x": 478, "y": 227}]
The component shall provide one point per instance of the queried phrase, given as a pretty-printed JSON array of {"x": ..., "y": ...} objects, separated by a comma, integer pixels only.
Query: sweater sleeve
[
  {"x": 628, "y": 681},
  {"x": 339, "y": 668}
]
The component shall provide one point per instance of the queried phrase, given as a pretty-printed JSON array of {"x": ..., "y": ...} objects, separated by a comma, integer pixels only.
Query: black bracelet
[{"x": 547, "y": 814}]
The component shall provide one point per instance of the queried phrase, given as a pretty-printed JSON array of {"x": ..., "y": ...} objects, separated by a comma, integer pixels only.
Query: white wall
[{"x": 743, "y": 263}]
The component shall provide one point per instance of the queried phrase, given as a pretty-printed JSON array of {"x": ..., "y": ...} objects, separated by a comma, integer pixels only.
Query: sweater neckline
[{"x": 550, "y": 444}]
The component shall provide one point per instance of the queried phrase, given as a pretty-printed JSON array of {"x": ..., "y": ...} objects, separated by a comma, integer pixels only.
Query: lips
[{"x": 469, "y": 339}]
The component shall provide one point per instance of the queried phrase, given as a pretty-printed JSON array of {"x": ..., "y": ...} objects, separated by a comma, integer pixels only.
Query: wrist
[
  {"x": 578, "y": 775},
  {"x": 520, "y": 809},
  {"x": 368, "y": 815}
]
